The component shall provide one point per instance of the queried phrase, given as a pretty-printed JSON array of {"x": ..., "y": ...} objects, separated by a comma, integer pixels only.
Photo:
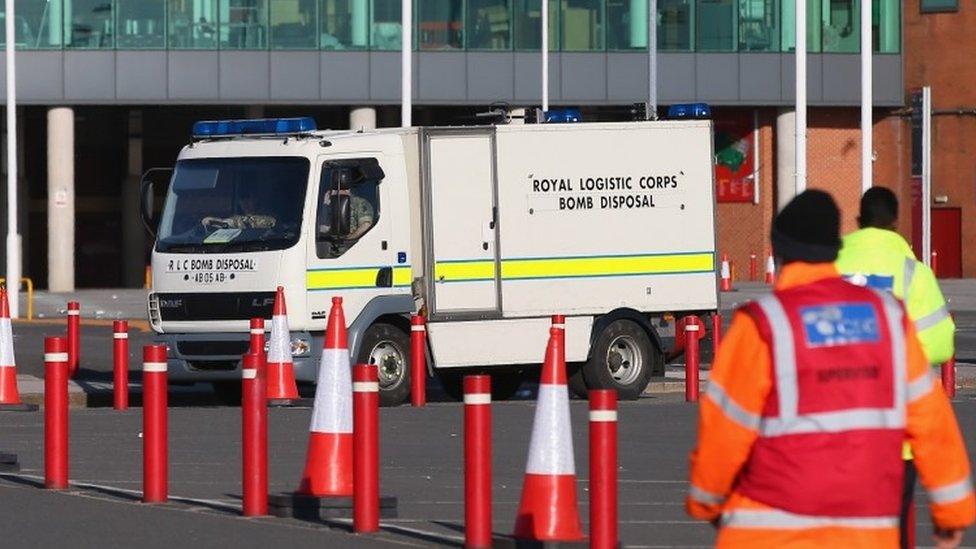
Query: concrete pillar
[
  {"x": 785, "y": 157},
  {"x": 61, "y": 199},
  {"x": 133, "y": 232},
  {"x": 362, "y": 118}
]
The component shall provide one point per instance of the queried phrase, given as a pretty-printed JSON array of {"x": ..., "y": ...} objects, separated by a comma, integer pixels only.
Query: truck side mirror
[{"x": 147, "y": 199}]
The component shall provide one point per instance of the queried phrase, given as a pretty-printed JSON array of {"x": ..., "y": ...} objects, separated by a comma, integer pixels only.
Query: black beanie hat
[{"x": 808, "y": 229}]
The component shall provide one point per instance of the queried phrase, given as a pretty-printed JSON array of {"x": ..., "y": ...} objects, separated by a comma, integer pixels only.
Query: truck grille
[{"x": 214, "y": 306}]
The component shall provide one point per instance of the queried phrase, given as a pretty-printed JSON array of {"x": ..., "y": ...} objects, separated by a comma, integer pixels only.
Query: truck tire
[
  {"x": 388, "y": 347},
  {"x": 577, "y": 385},
  {"x": 623, "y": 357},
  {"x": 503, "y": 385}
]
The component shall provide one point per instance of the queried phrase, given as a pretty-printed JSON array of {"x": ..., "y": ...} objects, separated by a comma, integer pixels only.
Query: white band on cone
[
  {"x": 603, "y": 415},
  {"x": 55, "y": 357},
  {"x": 6, "y": 342},
  {"x": 120, "y": 335},
  {"x": 477, "y": 398},
  {"x": 691, "y": 328},
  {"x": 417, "y": 328},
  {"x": 332, "y": 412},
  {"x": 73, "y": 312},
  {"x": 365, "y": 387},
  {"x": 154, "y": 367},
  {"x": 551, "y": 450},
  {"x": 257, "y": 331},
  {"x": 279, "y": 346},
  {"x": 249, "y": 373}
]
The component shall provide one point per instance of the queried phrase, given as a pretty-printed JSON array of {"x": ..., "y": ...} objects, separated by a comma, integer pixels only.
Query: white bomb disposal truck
[{"x": 486, "y": 230}]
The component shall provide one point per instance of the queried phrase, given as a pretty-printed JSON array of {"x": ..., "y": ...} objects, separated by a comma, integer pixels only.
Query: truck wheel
[
  {"x": 577, "y": 385},
  {"x": 388, "y": 347},
  {"x": 228, "y": 393},
  {"x": 503, "y": 385},
  {"x": 622, "y": 358}
]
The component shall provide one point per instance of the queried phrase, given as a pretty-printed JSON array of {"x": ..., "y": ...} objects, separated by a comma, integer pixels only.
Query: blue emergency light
[
  {"x": 697, "y": 111},
  {"x": 259, "y": 126},
  {"x": 562, "y": 116}
]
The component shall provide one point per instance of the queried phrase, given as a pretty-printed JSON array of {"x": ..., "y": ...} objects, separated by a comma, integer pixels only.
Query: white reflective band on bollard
[
  {"x": 121, "y": 335},
  {"x": 559, "y": 325},
  {"x": 603, "y": 415},
  {"x": 249, "y": 373},
  {"x": 691, "y": 328},
  {"x": 73, "y": 312},
  {"x": 154, "y": 367},
  {"x": 257, "y": 331},
  {"x": 365, "y": 387},
  {"x": 55, "y": 357},
  {"x": 477, "y": 398},
  {"x": 418, "y": 328}
]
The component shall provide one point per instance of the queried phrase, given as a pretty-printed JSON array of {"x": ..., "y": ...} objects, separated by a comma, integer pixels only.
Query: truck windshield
[{"x": 234, "y": 205}]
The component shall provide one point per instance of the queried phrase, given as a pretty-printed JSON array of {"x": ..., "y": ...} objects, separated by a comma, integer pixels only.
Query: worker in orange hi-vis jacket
[{"x": 814, "y": 390}]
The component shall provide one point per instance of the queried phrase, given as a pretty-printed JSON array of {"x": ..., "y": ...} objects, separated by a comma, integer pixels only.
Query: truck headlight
[{"x": 300, "y": 346}]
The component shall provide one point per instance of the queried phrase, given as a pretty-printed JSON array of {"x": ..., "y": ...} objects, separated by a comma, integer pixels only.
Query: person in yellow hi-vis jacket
[{"x": 877, "y": 256}]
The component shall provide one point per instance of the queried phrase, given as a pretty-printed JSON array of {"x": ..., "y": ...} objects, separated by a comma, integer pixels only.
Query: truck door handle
[
  {"x": 485, "y": 246},
  {"x": 384, "y": 278}
]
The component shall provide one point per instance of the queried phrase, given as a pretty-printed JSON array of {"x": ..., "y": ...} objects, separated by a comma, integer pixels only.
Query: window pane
[
  {"x": 940, "y": 5},
  {"x": 758, "y": 25},
  {"x": 841, "y": 26},
  {"x": 141, "y": 24},
  {"x": 88, "y": 23},
  {"x": 528, "y": 25},
  {"x": 244, "y": 24},
  {"x": 887, "y": 26},
  {"x": 37, "y": 25},
  {"x": 193, "y": 24},
  {"x": 386, "y": 30},
  {"x": 582, "y": 25},
  {"x": 626, "y": 24},
  {"x": 293, "y": 24},
  {"x": 674, "y": 19},
  {"x": 788, "y": 25},
  {"x": 489, "y": 25},
  {"x": 716, "y": 25},
  {"x": 344, "y": 24},
  {"x": 439, "y": 24}
]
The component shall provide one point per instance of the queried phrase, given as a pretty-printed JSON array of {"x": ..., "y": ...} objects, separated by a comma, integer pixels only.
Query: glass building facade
[{"x": 449, "y": 25}]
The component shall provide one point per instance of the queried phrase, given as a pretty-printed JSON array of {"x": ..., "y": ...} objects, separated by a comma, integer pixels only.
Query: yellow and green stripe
[
  {"x": 354, "y": 278},
  {"x": 545, "y": 268}
]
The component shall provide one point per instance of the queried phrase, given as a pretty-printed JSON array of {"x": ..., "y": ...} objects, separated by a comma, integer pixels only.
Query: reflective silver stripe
[
  {"x": 603, "y": 416},
  {"x": 477, "y": 398},
  {"x": 153, "y": 366},
  {"x": 417, "y": 328},
  {"x": 704, "y": 496},
  {"x": 921, "y": 386},
  {"x": 909, "y": 274},
  {"x": 784, "y": 355},
  {"x": 951, "y": 492},
  {"x": 249, "y": 373},
  {"x": 691, "y": 328},
  {"x": 120, "y": 335},
  {"x": 55, "y": 357},
  {"x": 365, "y": 387},
  {"x": 932, "y": 319},
  {"x": 775, "y": 519},
  {"x": 834, "y": 422},
  {"x": 73, "y": 312},
  {"x": 558, "y": 325},
  {"x": 731, "y": 408},
  {"x": 257, "y": 331},
  {"x": 899, "y": 359}
]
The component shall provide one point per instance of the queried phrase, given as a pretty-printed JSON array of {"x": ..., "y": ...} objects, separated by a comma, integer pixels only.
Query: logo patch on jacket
[
  {"x": 884, "y": 283},
  {"x": 840, "y": 324}
]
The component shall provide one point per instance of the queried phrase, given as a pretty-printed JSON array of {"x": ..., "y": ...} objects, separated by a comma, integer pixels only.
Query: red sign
[{"x": 735, "y": 171}]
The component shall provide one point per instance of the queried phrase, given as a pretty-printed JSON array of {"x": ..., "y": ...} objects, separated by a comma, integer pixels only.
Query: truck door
[{"x": 461, "y": 223}]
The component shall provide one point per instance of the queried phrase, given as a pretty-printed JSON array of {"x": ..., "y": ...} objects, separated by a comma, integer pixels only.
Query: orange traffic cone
[
  {"x": 9, "y": 395},
  {"x": 328, "y": 466},
  {"x": 770, "y": 270},
  {"x": 282, "y": 389},
  {"x": 726, "y": 285},
  {"x": 548, "y": 510}
]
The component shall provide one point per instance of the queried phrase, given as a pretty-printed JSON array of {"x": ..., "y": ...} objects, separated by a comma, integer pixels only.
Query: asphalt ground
[{"x": 421, "y": 464}]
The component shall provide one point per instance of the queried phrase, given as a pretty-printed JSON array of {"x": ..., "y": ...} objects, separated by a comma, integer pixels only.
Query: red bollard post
[
  {"x": 477, "y": 461},
  {"x": 74, "y": 337},
  {"x": 949, "y": 377},
  {"x": 418, "y": 362},
  {"x": 691, "y": 358},
  {"x": 257, "y": 336},
  {"x": 603, "y": 469},
  {"x": 155, "y": 459},
  {"x": 120, "y": 360},
  {"x": 935, "y": 263},
  {"x": 753, "y": 267},
  {"x": 55, "y": 413},
  {"x": 716, "y": 333},
  {"x": 365, "y": 449},
  {"x": 254, "y": 410}
]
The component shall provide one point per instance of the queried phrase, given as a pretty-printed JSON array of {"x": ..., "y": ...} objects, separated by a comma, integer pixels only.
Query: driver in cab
[{"x": 249, "y": 218}]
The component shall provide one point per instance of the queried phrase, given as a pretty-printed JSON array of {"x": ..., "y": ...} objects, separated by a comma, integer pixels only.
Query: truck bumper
[{"x": 195, "y": 357}]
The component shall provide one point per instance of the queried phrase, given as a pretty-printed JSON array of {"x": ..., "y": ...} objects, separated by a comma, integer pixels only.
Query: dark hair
[{"x": 879, "y": 208}]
